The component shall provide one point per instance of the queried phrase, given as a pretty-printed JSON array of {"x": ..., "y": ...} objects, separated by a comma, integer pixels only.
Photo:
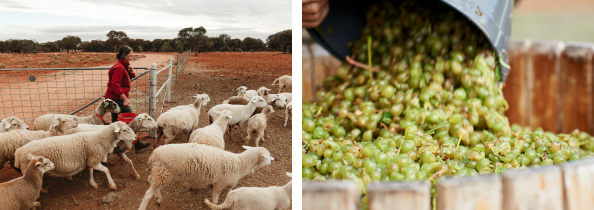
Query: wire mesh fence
[{"x": 29, "y": 93}]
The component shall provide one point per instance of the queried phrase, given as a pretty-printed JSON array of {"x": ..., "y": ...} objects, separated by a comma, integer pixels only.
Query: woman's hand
[
  {"x": 313, "y": 12},
  {"x": 126, "y": 102}
]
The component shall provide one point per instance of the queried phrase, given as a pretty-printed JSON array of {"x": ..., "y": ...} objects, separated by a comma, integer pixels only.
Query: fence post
[
  {"x": 176, "y": 67},
  {"x": 169, "y": 79},
  {"x": 152, "y": 95}
]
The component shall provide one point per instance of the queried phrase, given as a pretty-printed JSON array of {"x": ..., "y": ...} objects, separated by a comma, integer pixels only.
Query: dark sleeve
[{"x": 131, "y": 74}]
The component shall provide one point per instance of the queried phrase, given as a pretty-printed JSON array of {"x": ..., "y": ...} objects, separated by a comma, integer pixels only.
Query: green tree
[
  {"x": 70, "y": 43},
  {"x": 234, "y": 45},
  {"x": 250, "y": 44},
  {"x": 115, "y": 39},
  {"x": 280, "y": 41}
]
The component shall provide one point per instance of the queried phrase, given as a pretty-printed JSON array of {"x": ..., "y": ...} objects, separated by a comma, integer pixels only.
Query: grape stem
[{"x": 436, "y": 174}]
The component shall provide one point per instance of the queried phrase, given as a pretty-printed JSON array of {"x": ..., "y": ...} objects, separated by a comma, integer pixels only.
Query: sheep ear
[
  {"x": 31, "y": 157},
  {"x": 246, "y": 147},
  {"x": 117, "y": 128},
  {"x": 290, "y": 174},
  {"x": 7, "y": 126},
  {"x": 269, "y": 157},
  {"x": 230, "y": 117}
]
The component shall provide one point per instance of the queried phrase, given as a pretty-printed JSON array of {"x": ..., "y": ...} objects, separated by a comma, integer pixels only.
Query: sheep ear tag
[
  {"x": 105, "y": 104},
  {"x": 254, "y": 100}
]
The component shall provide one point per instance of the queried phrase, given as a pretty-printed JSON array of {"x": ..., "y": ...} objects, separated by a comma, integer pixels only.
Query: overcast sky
[{"x": 51, "y": 20}]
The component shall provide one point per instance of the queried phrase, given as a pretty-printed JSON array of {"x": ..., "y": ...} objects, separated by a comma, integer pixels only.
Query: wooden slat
[
  {"x": 333, "y": 195},
  {"x": 477, "y": 192},
  {"x": 578, "y": 180},
  {"x": 535, "y": 188},
  {"x": 400, "y": 195},
  {"x": 576, "y": 88},
  {"x": 544, "y": 73},
  {"x": 515, "y": 90},
  {"x": 307, "y": 83},
  {"x": 325, "y": 65}
]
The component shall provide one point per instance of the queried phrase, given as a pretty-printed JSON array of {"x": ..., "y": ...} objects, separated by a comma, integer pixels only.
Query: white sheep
[
  {"x": 213, "y": 134},
  {"x": 241, "y": 113},
  {"x": 180, "y": 120},
  {"x": 107, "y": 105},
  {"x": 283, "y": 81},
  {"x": 11, "y": 141},
  {"x": 22, "y": 192},
  {"x": 258, "y": 123},
  {"x": 73, "y": 153},
  {"x": 277, "y": 102},
  {"x": 241, "y": 90},
  {"x": 265, "y": 93},
  {"x": 12, "y": 123},
  {"x": 141, "y": 121},
  {"x": 198, "y": 166},
  {"x": 257, "y": 198},
  {"x": 288, "y": 112}
]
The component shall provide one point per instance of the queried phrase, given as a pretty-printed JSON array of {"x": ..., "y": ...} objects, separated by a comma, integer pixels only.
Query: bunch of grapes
[{"x": 428, "y": 104}]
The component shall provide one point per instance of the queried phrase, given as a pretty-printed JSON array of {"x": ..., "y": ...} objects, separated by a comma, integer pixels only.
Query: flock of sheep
[{"x": 64, "y": 145}]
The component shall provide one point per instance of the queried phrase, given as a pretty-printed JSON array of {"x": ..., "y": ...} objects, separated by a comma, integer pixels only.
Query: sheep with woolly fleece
[
  {"x": 241, "y": 113},
  {"x": 180, "y": 120},
  {"x": 277, "y": 102},
  {"x": 11, "y": 141},
  {"x": 107, "y": 105},
  {"x": 288, "y": 112},
  {"x": 73, "y": 153},
  {"x": 257, "y": 123},
  {"x": 141, "y": 121},
  {"x": 12, "y": 123},
  {"x": 22, "y": 192},
  {"x": 241, "y": 90},
  {"x": 265, "y": 93},
  {"x": 283, "y": 81},
  {"x": 213, "y": 134},
  {"x": 198, "y": 166},
  {"x": 257, "y": 198}
]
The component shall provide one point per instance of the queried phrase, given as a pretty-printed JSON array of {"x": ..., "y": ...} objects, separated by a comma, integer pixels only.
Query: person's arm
[
  {"x": 131, "y": 72},
  {"x": 116, "y": 86},
  {"x": 313, "y": 12}
]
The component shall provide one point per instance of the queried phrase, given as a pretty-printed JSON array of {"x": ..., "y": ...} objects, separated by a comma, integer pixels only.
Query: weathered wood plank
[
  {"x": 535, "y": 188},
  {"x": 400, "y": 195},
  {"x": 477, "y": 192},
  {"x": 578, "y": 180},
  {"x": 333, "y": 195},
  {"x": 544, "y": 73},
  {"x": 515, "y": 90},
  {"x": 576, "y": 88}
]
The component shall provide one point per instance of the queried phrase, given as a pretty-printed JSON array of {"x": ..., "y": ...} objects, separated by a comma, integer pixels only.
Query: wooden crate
[
  {"x": 400, "y": 195},
  {"x": 330, "y": 195},
  {"x": 468, "y": 193}
]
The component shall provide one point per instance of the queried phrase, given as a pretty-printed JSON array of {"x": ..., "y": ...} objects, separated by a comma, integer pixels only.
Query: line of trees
[{"x": 187, "y": 38}]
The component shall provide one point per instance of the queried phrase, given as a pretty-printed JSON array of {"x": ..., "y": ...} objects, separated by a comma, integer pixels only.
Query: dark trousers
[{"x": 123, "y": 109}]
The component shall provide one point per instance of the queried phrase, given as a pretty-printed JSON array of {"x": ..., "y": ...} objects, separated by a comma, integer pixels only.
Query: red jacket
[{"x": 119, "y": 80}]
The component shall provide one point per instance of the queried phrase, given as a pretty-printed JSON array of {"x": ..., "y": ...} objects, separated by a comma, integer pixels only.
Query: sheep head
[
  {"x": 123, "y": 131},
  {"x": 242, "y": 90},
  {"x": 265, "y": 158},
  {"x": 146, "y": 121},
  {"x": 14, "y": 123},
  {"x": 262, "y": 91},
  {"x": 201, "y": 99},
  {"x": 42, "y": 164},
  {"x": 63, "y": 123},
  {"x": 280, "y": 101},
  {"x": 258, "y": 101},
  {"x": 268, "y": 110},
  {"x": 110, "y": 106}
]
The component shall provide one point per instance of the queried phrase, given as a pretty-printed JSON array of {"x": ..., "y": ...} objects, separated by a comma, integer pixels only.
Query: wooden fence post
[
  {"x": 400, "y": 195},
  {"x": 534, "y": 188},
  {"x": 476, "y": 192},
  {"x": 578, "y": 180},
  {"x": 332, "y": 195}
]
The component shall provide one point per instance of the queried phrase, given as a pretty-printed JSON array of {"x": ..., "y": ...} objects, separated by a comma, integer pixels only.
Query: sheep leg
[
  {"x": 91, "y": 179},
  {"x": 267, "y": 136},
  {"x": 102, "y": 168},
  {"x": 216, "y": 191},
  {"x": 147, "y": 197},
  {"x": 158, "y": 195},
  {"x": 248, "y": 137},
  {"x": 125, "y": 158},
  {"x": 36, "y": 204}
]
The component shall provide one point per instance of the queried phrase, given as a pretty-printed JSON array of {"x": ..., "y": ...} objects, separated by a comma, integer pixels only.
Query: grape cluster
[{"x": 429, "y": 104}]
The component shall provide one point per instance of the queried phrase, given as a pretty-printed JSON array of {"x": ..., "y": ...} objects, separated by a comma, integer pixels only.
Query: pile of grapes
[{"x": 427, "y": 104}]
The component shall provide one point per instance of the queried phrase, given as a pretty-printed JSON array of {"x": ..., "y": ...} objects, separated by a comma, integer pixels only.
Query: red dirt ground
[{"x": 216, "y": 74}]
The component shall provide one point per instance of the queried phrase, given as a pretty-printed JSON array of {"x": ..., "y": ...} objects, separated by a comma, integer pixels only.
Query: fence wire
[{"x": 30, "y": 93}]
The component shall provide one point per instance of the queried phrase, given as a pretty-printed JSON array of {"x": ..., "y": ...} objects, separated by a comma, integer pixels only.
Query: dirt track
[{"x": 216, "y": 74}]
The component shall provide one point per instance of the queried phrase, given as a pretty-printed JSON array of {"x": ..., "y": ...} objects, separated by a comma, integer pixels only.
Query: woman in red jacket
[{"x": 118, "y": 85}]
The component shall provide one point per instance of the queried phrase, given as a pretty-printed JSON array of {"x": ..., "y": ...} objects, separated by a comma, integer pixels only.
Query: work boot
[{"x": 139, "y": 145}]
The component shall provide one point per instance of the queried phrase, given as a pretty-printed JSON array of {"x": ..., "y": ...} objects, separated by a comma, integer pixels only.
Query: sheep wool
[
  {"x": 198, "y": 166},
  {"x": 257, "y": 123},
  {"x": 241, "y": 113},
  {"x": 22, "y": 192},
  {"x": 283, "y": 81},
  {"x": 73, "y": 153},
  {"x": 180, "y": 120},
  {"x": 12, "y": 123},
  {"x": 288, "y": 112},
  {"x": 257, "y": 198},
  {"x": 107, "y": 105},
  {"x": 11, "y": 141},
  {"x": 213, "y": 134}
]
